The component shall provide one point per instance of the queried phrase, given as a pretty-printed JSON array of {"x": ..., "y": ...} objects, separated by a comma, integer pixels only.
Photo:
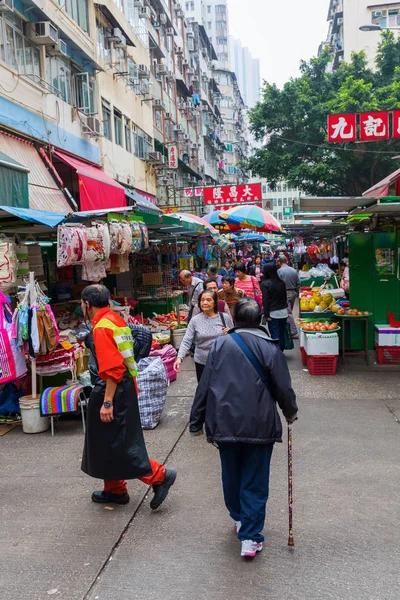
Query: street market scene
[{"x": 199, "y": 300}]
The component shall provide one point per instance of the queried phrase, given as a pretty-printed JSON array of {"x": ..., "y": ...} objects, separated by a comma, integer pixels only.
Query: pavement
[{"x": 56, "y": 543}]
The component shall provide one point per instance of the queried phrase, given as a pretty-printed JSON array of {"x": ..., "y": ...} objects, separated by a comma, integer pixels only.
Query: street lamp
[{"x": 371, "y": 27}]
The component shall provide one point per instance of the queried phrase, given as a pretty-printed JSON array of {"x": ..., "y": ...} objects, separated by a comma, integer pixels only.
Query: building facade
[
  {"x": 282, "y": 202},
  {"x": 213, "y": 15},
  {"x": 247, "y": 71},
  {"x": 345, "y": 17}
]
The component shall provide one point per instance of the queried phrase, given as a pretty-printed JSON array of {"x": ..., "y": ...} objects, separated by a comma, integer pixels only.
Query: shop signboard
[
  {"x": 233, "y": 194},
  {"x": 287, "y": 211},
  {"x": 342, "y": 128},
  {"x": 173, "y": 157},
  {"x": 193, "y": 192},
  {"x": 169, "y": 210},
  {"x": 372, "y": 126}
]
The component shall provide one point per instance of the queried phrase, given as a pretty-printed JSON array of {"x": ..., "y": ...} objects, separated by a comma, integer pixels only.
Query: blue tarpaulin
[{"x": 41, "y": 217}]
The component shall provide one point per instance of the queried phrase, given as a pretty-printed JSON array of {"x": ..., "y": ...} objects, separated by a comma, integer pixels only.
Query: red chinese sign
[
  {"x": 374, "y": 126},
  {"x": 396, "y": 123},
  {"x": 342, "y": 128},
  {"x": 173, "y": 157},
  {"x": 191, "y": 192},
  {"x": 233, "y": 194}
]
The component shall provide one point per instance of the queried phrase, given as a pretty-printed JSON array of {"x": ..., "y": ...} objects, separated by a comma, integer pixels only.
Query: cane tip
[{"x": 290, "y": 542}]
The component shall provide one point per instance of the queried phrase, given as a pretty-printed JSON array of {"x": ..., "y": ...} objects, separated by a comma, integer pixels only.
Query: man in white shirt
[
  {"x": 194, "y": 287},
  {"x": 292, "y": 281}
]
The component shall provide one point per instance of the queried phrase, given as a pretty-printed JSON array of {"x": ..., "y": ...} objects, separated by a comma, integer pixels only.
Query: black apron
[{"x": 115, "y": 450}]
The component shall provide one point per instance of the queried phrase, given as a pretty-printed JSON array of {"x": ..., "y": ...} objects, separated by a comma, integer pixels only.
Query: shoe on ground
[
  {"x": 250, "y": 548},
  {"x": 108, "y": 497},
  {"x": 161, "y": 491},
  {"x": 238, "y": 525}
]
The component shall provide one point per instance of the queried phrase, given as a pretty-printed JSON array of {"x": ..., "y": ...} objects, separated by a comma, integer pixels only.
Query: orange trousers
[{"x": 118, "y": 486}]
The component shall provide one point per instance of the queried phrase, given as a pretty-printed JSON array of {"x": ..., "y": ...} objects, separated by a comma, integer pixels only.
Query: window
[
  {"x": 103, "y": 45},
  {"x": 229, "y": 147},
  {"x": 285, "y": 202},
  {"x": 128, "y": 135},
  {"x": 158, "y": 120},
  {"x": 86, "y": 93},
  {"x": 209, "y": 25},
  {"x": 264, "y": 189},
  {"x": 220, "y": 25},
  {"x": 106, "y": 116},
  {"x": 222, "y": 41},
  {"x": 279, "y": 201},
  {"x": 220, "y": 8},
  {"x": 223, "y": 56},
  {"x": 117, "y": 127},
  {"x": 77, "y": 10},
  {"x": 386, "y": 18},
  {"x": 280, "y": 216},
  {"x": 16, "y": 50},
  {"x": 209, "y": 9},
  {"x": 59, "y": 76},
  {"x": 143, "y": 143},
  {"x": 120, "y": 60}
]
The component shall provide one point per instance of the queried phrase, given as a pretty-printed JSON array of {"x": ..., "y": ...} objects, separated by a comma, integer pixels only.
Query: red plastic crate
[
  {"x": 322, "y": 365},
  {"x": 303, "y": 356},
  {"x": 388, "y": 355}
]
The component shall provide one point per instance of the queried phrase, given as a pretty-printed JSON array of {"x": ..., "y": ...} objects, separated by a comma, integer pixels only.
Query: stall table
[
  {"x": 360, "y": 319},
  {"x": 158, "y": 305}
]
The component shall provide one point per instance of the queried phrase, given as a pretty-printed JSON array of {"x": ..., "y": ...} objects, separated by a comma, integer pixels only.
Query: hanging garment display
[
  {"x": 145, "y": 236},
  {"x": 136, "y": 237},
  {"x": 115, "y": 229},
  {"x": 98, "y": 243},
  {"x": 22, "y": 254},
  {"x": 71, "y": 245},
  {"x": 94, "y": 272},
  {"x": 12, "y": 360},
  {"x": 8, "y": 264}
]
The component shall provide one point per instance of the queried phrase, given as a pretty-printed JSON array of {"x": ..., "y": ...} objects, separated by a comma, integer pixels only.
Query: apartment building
[
  {"x": 213, "y": 14},
  {"x": 247, "y": 71},
  {"x": 346, "y": 17},
  {"x": 282, "y": 202}
]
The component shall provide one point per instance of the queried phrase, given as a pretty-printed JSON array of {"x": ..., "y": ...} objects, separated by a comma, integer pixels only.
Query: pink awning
[
  {"x": 96, "y": 189},
  {"x": 381, "y": 189}
]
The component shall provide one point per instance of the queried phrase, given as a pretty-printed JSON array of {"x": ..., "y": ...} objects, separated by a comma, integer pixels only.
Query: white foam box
[
  {"x": 302, "y": 338},
  {"x": 319, "y": 344},
  {"x": 387, "y": 336}
]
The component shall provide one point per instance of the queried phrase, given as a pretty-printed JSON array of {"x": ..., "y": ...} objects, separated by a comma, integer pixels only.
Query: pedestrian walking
[
  {"x": 247, "y": 283},
  {"x": 204, "y": 328},
  {"x": 114, "y": 445},
  {"x": 256, "y": 269},
  {"x": 227, "y": 269},
  {"x": 229, "y": 293},
  {"x": 194, "y": 287},
  {"x": 245, "y": 364},
  {"x": 212, "y": 273},
  {"x": 211, "y": 284},
  {"x": 275, "y": 303},
  {"x": 291, "y": 279}
]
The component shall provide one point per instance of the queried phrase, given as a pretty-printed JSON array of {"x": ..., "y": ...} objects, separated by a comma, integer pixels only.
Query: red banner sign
[
  {"x": 396, "y": 123},
  {"x": 374, "y": 126},
  {"x": 193, "y": 192},
  {"x": 233, "y": 194},
  {"x": 342, "y": 128},
  {"x": 173, "y": 157}
]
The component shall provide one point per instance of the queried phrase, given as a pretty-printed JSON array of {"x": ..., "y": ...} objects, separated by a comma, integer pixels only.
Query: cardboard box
[
  {"x": 387, "y": 336},
  {"x": 321, "y": 343}
]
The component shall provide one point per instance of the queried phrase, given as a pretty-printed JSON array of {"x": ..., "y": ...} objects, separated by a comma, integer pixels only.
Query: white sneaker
[
  {"x": 238, "y": 525},
  {"x": 250, "y": 548}
]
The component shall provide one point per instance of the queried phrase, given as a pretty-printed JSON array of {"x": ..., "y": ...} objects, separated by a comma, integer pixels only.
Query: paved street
[{"x": 56, "y": 543}]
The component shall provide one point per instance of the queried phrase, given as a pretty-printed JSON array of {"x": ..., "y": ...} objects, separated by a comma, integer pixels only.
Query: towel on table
[{"x": 63, "y": 399}]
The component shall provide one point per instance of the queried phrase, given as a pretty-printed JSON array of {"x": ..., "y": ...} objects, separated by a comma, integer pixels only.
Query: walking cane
[{"x": 290, "y": 486}]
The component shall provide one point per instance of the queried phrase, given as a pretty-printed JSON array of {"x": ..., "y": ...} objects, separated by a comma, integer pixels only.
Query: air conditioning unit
[
  {"x": 377, "y": 14},
  {"x": 190, "y": 32},
  {"x": 59, "y": 49},
  {"x": 179, "y": 51},
  {"x": 178, "y": 7},
  {"x": 185, "y": 62},
  {"x": 171, "y": 76},
  {"x": 178, "y": 128},
  {"x": 170, "y": 32},
  {"x": 186, "y": 137},
  {"x": 195, "y": 78},
  {"x": 6, "y": 5},
  {"x": 158, "y": 104},
  {"x": 43, "y": 33},
  {"x": 180, "y": 14},
  {"x": 168, "y": 116},
  {"x": 144, "y": 13},
  {"x": 156, "y": 157},
  {"x": 189, "y": 72},
  {"x": 340, "y": 21},
  {"x": 138, "y": 3},
  {"x": 92, "y": 127},
  {"x": 162, "y": 69},
  {"x": 115, "y": 35},
  {"x": 163, "y": 19},
  {"x": 188, "y": 105},
  {"x": 144, "y": 71}
]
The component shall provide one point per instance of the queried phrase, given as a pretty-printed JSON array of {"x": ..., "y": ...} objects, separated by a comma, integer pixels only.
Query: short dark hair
[
  {"x": 228, "y": 261},
  {"x": 96, "y": 295},
  {"x": 270, "y": 271},
  {"x": 240, "y": 267},
  {"x": 214, "y": 297},
  {"x": 213, "y": 270},
  {"x": 229, "y": 279},
  {"x": 207, "y": 281},
  {"x": 247, "y": 313}
]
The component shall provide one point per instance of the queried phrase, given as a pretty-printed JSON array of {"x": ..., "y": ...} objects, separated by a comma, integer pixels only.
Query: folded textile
[{"x": 63, "y": 399}]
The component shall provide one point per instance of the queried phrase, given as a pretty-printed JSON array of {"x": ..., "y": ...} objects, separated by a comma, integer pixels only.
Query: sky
[{"x": 279, "y": 32}]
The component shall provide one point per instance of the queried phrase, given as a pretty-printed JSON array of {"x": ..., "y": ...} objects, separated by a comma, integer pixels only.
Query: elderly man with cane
[
  {"x": 114, "y": 445},
  {"x": 245, "y": 377},
  {"x": 291, "y": 279}
]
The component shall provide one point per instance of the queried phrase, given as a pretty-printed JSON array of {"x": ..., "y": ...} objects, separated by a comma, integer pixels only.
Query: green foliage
[{"x": 294, "y": 121}]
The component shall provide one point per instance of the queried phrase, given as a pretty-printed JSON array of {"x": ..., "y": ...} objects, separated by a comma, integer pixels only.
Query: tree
[{"x": 292, "y": 124}]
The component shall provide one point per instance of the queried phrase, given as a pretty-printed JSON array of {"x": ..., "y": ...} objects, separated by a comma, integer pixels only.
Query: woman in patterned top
[
  {"x": 203, "y": 329},
  {"x": 247, "y": 283}
]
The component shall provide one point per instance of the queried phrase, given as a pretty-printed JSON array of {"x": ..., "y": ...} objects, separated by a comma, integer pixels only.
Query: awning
[
  {"x": 141, "y": 202},
  {"x": 40, "y": 217},
  {"x": 44, "y": 194},
  {"x": 330, "y": 203},
  {"x": 382, "y": 187},
  {"x": 96, "y": 189},
  {"x": 14, "y": 189},
  {"x": 183, "y": 88}
]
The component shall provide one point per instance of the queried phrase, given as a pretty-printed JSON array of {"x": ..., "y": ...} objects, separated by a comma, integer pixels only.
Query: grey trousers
[{"x": 291, "y": 299}]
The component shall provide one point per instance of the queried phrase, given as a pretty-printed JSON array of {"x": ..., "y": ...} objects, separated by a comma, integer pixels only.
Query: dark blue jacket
[{"x": 232, "y": 400}]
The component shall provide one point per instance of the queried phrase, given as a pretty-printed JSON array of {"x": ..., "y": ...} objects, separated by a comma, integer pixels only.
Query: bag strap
[
  {"x": 221, "y": 316},
  {"x": 252, "y": 358}
]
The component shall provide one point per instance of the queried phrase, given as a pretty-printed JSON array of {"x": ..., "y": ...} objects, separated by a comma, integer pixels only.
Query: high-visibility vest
[{"x": 125, "y": 342}]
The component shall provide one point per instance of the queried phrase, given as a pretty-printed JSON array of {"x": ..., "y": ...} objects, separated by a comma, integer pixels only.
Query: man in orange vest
[{"x": 115, "y": 449}]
